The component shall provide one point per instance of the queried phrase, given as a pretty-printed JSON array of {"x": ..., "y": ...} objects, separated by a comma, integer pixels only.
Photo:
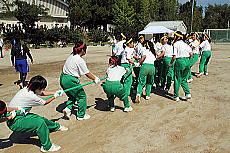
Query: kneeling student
[
  {"x": 113, "y": 87},
  {"x": 28, "y": 122}
]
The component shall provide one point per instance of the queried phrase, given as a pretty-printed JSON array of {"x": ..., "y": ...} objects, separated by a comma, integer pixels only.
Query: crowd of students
[{"x": 139, "y": 67}]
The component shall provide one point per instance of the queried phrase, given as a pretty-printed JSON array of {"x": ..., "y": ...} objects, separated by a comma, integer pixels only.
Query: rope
[{"x": 17, "y": 112}]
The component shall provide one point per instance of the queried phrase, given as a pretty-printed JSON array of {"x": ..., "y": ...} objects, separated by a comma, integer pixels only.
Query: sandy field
[{"x": 159, "y": 125}]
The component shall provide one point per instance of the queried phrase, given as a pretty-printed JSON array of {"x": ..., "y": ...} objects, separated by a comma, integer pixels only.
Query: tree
[
  {"x": 216, "y": 16},
  {"x": 124, "y": 18},
  {"x": 79, "y": 12},
  {"x": 28, "y": 14},
  {"x": 168, "y": 10}
]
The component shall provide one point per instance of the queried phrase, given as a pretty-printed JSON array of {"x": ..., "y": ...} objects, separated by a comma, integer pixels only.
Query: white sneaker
[
  {"x": 206, "y": 74},
  {"x": 67, "y": 113},
  {"x": 147, "y": 97},
  {"x": 200, "y": 74},
  {"x": 189, "y": 80},
  {"x": 54, "y": 147},
  {"x": 188, "y": 96},
  {"x": 63, "y": 128},
  {"x": 112, "y": 109},
  {"x": 128, "y": 109},
  {"x": 86, "y": 116},
  {"x": 138, "y": 98},
  {"x": 176, "y": 99}
]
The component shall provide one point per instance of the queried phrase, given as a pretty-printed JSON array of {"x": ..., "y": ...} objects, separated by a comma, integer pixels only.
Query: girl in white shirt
[
  {"x": 195, "y": 49},
  {"x": 113, "y": 87},
  {"x": 206, "y": 55},
  {"x": 167, "y": 71},
  {"x": 147, "y": 73},
  {"x": 74, "y": 68}
]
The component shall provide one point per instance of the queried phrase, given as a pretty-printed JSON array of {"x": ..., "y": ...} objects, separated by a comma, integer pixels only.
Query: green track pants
[
  {"x": 146, "y": 77},
  {"x": 167, "y": 73},
  {"x": 115, "y": 89},
  {"x": 127, "y": 79},
  {"x": 77, "y": 95},
  {"x": 192, "y": 61},
  {"x": 205, "y": 57},
  {"x": 181, "y": 70},
  {"x": 34, "y": 123}
]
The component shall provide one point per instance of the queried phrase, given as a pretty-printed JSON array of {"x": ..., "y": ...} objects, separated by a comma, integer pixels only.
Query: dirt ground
[{"x": 159, "y": 125}]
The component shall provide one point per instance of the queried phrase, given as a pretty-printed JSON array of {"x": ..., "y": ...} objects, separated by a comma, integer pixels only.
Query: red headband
[
  {"x": 1, "y": 112},
  {"x": 80, "y": 47}
]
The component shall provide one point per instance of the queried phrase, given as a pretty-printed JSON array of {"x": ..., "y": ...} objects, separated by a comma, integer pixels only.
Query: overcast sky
[{"x": 206, "y": 2}]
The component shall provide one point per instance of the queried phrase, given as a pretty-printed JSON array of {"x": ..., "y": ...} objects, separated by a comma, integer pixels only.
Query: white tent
[{"x": 155, "y": 30}]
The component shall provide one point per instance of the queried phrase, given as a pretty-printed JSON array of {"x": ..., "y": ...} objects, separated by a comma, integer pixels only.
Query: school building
[{"x": 58, "y": 10}]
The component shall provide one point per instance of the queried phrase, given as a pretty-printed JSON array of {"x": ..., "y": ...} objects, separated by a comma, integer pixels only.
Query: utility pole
[{"x": 192, "y": 14}]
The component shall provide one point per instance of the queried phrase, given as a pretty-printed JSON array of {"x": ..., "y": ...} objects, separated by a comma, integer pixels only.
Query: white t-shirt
[
  {"x": 25, "y": 98},
  {"x": 115, "y": 73},
  {"x": 119, "y": 49},
  {"x": 205, "y": 45},
  {"x": 139, "y": 49},
  {"x": 150, "y": 57},
  {"x": 195, "y": 44},
  {"x": 75, "y": 66},
  {"x": 168, "y": 50},
  {"x": 181, "y": 49},
  {"x": 1, "y": 42},
  {"x": 158, "y": 47},
  {"x": 127, "y": 55}
]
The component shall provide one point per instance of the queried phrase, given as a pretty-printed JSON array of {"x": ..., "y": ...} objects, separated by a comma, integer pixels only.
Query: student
[
  {"x": 158, "y": 62},
  {"x": 195, "y": 49},
  {"x": 74, "y": 68},
  {"x": 138, "y": 50},
  {"x": 113, "y": 43},
  {"x": 119, "y": 48},
  {"x": 167, "y": 72},
  {"x": 127, "y": 59},
  {"x": 1, "y": 48},
  {"x": 181, "y": 54},
  {"x": 113, "y": 87},
  {"x": 19, "y": 55},
  {"x": 205, "y": 56},
  {"x": 28, "y": 122},
  {"x": 147, "y": 72}
]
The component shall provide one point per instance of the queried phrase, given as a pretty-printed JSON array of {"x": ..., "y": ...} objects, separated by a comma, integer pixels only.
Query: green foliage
[
  {"x": 124, "y": 18},
  {"x": 97, "y": 35},
  {"x": 28, "y": 14},
  {"x": 217, "y": 16}
]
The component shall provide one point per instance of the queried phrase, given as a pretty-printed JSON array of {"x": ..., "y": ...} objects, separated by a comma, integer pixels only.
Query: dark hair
[
  {"x": 3, "y": 108},
  {"x": 149, "y": 45},
  {"x": 205, "y": 35},
  {"x": 79, "y": 47},
  {"x": 178, "y": 37},
  {"x": 114, "y": 60},
  {"x": 37, "y": 82}
]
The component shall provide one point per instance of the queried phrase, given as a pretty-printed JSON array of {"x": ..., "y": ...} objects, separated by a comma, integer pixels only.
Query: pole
[{"x": 192, "y": 15}]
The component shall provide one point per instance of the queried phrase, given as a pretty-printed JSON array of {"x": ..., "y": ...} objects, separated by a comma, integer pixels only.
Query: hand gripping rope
[{"x": 17, "y": 112}]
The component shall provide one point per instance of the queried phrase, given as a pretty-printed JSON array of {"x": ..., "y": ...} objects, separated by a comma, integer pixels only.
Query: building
[
  {"x": 58, "y": 10},
  {"x": 172, "y": 25}
]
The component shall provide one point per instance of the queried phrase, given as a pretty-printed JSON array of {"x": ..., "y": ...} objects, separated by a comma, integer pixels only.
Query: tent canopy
[{"x": 155, "y": 30}]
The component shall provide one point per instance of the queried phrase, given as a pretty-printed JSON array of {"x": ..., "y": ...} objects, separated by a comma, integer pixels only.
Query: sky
[{"x": 206, "y": 2}]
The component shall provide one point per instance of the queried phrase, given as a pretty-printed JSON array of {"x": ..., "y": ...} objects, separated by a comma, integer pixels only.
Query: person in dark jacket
[{"x": 19, "y": 55}]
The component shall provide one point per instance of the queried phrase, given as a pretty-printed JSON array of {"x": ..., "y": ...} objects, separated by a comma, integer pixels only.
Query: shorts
[{"x": 21, "y": 66}]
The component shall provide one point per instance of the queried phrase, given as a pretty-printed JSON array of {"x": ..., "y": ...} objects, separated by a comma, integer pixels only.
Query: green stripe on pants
[
  {"x": 167, "y": 72},
  {"x": 146, "y": 77},
  {"x": 192, "y": 61},
  {"x": 181, "y": 69},
  {"x": 68, "y": 81},
  {"x": 205, "y": 57},
  {"x": 34, "y": 123},
  {"x": 115, "y": 89},
  {"x": 127, "y": 79}
]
